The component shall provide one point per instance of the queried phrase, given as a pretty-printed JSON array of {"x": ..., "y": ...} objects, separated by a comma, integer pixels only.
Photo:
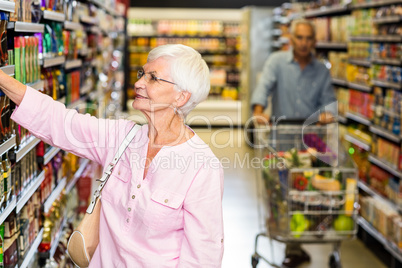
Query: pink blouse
[{"x": 172, "y": 218}]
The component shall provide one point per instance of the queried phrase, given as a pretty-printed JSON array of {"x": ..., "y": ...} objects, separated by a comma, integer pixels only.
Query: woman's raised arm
[{"x": 14, "y": 89}]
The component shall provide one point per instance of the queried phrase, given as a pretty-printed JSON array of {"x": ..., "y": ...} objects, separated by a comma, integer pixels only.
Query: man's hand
[
  {"x": 326, "y": 118},
  {"x": 261, "y": 118}
]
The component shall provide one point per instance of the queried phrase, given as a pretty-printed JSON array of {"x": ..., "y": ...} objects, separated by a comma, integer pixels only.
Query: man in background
[{"x": 300, "y": 86}]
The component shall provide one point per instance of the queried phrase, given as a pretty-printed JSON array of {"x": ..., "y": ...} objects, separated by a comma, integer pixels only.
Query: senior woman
[{"x": 162, "y": 206}]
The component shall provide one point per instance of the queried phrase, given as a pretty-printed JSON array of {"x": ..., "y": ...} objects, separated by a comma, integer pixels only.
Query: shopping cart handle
[{"x": 289, "y": 121}]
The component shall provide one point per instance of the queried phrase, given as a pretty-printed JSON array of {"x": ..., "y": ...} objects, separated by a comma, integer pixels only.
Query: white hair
[
  {"x": 301, "y": 21},
  {"x": 188, "y": 71}
]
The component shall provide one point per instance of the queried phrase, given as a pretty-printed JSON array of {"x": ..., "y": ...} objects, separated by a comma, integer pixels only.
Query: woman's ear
[{"x": 183, "y": 98}]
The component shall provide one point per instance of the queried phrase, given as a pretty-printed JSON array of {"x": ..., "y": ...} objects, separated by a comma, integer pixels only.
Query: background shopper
[{"x": 300, "y": 85}]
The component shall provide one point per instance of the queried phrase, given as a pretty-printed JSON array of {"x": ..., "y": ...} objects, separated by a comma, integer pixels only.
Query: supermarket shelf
[
  {"x": 86, "y": 89},
  {"x": 49, "y": 155},
  {"x": 362, "y": 185},
  {"x": 83, "y": 52},
  {"x": 55, "y": 16},
  {"x": 7, "y": 211},
  {"x": 31, "y": 253},
  {"x": 375, "y": 4},
  {"x": 54, "y": 195},
  {"x": 389, "y": 19},
  {"x": 276, "y": 32},
  {"x": 331, "y": 45},
  {"x": 390, "y": 247},
  {"x": 339, "y": 82},
  {"x": 89, "y": 20},
  {"x": 76, "y": 104},
  {"x": 380, "y": 83},
  {"x": 49, "y": 62},
  {"x": 26, "y": 147},
  {"x": 364, "y": 88},
  {"x": 387, "y": 167},
  {"x": 71, "y": 64},
  {"x": 388, "y": 61},
  {"x": 37, "y": 85},
  {"x": 358, "y": 118},
  {"x": 72, "y": 26},
  {"x": 6, "y": 146},
  {"x": 27, "y": 27},
  {"x": 29, "y": 191},
  {"x": 357, "y": 142},
  {"x": 56, "y": 240},
  {"x": 360, "y": 62},
  {"x": 77, "y": 175},
  {"x": 7, "y": 6},
  {"x": 104, "y": 7},
  {"x": 95, "y": 30},
  {"x": 342, "y": 119},
  {"x": 9, "y": 69},
  {"x": 377, "y": 38},
  {"x": 326, "y": 10},
  {"x": 385, "y": 133}
]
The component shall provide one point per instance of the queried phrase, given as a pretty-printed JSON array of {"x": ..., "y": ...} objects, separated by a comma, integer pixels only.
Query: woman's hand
[{"x": 14, "y": 89}]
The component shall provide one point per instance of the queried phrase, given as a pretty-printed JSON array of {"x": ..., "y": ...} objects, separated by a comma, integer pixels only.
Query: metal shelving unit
[
  {"x": 360, "y": 87},
  {"x": 71, "y": 64},
  {"x": 391, "y": 248},
  {"x": 37, "y": 85},
  {"x": 77, "y": 175},
  {"x": 7, "y": 211},
  {"x": 54, "y": 195},
  {"x": 50, "y": 154},
  {"x": 358, "y": 142},
  {"x": 72, "y": 26},
  {"x": 50, "y": 62},
  {"x": 385, "y": 133},
  {"x": 29, "y": 191},
  {"x": 9, "y": 69},
  {"x": 358, "y": 118},
  {"x": 387, "y": 84},
  {"x": 366, "y": 188},
  {"x": 386, "y": 166},
  {"x": 326, "y": 11},
  {"x": 26, "y": 147},
  {"x": 8, "y": 145},
  {"x": 26, "y": 27},
  {"x": 32, "y": 250},
  {"x": 55, "y": 16},
  {"x": 7, "y": 6}
]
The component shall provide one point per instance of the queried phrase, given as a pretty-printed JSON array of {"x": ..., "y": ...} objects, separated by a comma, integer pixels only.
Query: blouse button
[
  {"x": 133, "y": 197},
  {"x": 166, "y": 200},
  {"x": 129, "y": 209},
  {"x": 139, "y": 186}
]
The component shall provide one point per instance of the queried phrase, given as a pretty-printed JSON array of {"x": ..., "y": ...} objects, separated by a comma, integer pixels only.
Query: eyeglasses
[{"x": 150, "y": 77}]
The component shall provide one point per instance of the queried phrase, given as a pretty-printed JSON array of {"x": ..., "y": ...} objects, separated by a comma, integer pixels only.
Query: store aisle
[{"x": 241, "y": 217}]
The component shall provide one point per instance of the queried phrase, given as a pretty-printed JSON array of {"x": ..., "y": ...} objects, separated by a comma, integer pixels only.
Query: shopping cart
[{"x": 308, "y": 187}]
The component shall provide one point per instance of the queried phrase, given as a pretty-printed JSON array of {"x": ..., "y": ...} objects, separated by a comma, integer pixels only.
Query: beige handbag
[{"x": 84, "y": 240}]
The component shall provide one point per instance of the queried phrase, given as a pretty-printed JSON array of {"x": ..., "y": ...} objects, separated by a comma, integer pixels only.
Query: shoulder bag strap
[{"x": 127, "y": 140}]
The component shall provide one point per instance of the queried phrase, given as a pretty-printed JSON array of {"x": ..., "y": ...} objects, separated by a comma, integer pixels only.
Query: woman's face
[{"x": 154, "y": 95}]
